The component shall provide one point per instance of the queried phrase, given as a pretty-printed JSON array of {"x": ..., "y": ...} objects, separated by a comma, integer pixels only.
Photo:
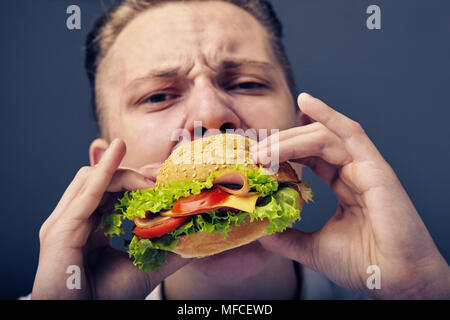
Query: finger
[
  {"x": 325, "y": 171},
  {"x": 341, "y": 125},
  {"x": 76, "y": 184},
  {"x": 72, "y": 190},
  {"x": 150, "y": 170},
  {"x": 124, "y": 179},
  {"x": 319, "y": 143},
  {"x": 128, "y": 179},
  {"x": 292, "y": 244},
  {"x": 106, "y": 168},
  {"x": 266, "y": 143},
  {"x": 329, "y": 174},
  {"x": 98, "y": 181},
  {"x": 359, "y": 145}
]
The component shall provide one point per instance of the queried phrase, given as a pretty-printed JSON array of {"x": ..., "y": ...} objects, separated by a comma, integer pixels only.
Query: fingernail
[
  {"x": 306, "y": 94},
  {"x": 301, "y": 96}
]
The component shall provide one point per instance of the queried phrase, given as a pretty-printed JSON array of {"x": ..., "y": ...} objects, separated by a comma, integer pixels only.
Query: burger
[{"x": 209, "y": 197}]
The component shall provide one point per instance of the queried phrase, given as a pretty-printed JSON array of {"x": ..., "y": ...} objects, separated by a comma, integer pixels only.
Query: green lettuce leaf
[
  {"x": 146, "y": 257},
  {"x": 281, "y": 209},
  {"x": 111, "y": 224},
  {"x": 149, "y": 254},
  {"x": 261, "y": 182}
]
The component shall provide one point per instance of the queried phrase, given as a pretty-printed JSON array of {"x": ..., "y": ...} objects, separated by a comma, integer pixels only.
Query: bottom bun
[{"x": 203, "y": 244}]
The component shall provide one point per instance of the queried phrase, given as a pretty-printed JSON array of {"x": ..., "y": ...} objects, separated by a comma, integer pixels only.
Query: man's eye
[
  {"x": 247, "y": 86},
  {"x": 160, "y": 97}
]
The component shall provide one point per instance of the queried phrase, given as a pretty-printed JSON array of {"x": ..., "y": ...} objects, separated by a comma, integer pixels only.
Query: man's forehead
[
  {"x": 176, "y": 33},
  {"x": 189, "y": 18}
]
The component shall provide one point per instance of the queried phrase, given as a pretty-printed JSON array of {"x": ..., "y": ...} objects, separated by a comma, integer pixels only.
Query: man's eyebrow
[
  {"x": 237, "y": 63},
  {"x": 173, "y": 72},
  {"x": 165, "y": 73},
  {"x": 170, "y": 72}
]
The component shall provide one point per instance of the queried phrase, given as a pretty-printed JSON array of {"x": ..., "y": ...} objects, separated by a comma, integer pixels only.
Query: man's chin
[{"x": 234, "y": 264}]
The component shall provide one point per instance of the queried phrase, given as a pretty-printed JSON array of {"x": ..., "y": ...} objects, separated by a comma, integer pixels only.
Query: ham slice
[
  {"x": 232, "y": 181},
  {"x": 151, "y": 222}
]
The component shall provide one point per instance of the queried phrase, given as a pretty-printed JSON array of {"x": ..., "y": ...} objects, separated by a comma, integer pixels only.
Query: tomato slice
[
  {"x": 197, "y": 203},
  {"x": 159, "y": 229}
]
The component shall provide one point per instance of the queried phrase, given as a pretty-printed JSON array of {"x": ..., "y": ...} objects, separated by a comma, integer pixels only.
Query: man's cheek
[
  {"x": 268, "y": 115},
  {"x": 149, "y": 140}
]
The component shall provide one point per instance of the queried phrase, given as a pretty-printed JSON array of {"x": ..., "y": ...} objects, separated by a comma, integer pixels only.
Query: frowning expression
[{"x": 180, "y": 63}]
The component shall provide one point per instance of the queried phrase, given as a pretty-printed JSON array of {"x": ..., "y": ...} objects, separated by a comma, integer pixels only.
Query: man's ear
[{"x": 96, "y": 150}]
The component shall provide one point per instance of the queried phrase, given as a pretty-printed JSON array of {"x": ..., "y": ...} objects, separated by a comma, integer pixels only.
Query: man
[{"x": 165, "y": 66}]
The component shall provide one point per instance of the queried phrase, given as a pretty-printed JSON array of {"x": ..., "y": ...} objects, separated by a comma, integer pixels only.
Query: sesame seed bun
[{"x": 196, "y": 161}]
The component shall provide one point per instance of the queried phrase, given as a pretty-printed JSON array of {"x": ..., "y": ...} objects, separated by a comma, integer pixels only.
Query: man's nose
[{"x": 209, "y": 111}]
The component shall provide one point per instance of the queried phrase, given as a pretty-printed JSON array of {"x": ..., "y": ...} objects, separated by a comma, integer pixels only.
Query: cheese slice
[{"x": 243, "y": 203}]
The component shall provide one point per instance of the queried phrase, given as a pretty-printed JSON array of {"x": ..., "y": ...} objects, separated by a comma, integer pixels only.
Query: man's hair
[{"x": 108, "y": 26}]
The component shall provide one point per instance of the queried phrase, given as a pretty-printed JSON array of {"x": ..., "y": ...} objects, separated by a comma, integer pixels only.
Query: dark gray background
[{"x": 394, "y": 81}]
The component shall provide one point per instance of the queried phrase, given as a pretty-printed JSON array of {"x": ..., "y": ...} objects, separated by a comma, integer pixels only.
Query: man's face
[{"x": 179, "y": 63}]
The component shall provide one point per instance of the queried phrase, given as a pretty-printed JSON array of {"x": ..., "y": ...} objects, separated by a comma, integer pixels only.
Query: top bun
[{"x": 198, "y": 159}]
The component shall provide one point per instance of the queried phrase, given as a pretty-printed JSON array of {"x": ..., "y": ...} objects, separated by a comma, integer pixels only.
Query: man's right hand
[{"x": 68, "y": 238}]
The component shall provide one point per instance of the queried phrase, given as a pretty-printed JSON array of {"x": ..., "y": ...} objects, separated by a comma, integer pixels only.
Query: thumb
[
  {"x": 292, "y": 244},
  {"x": 150, "y": 170}
]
